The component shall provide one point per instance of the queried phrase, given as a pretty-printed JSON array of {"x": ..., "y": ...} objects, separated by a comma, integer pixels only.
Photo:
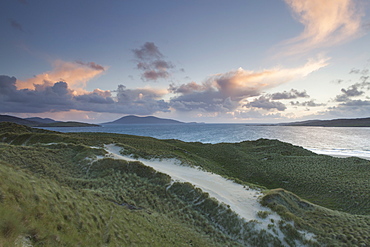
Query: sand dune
[{"x": 241, "y": 199}]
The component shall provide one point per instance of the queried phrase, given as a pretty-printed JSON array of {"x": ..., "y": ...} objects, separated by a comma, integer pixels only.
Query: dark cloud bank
[{"x": 55, "y": 97}]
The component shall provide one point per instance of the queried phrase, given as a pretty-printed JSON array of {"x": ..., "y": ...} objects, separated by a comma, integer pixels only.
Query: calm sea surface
[{"x": 326, "y": 140}]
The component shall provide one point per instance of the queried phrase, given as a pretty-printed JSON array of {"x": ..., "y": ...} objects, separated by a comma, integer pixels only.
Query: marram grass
[{"x": 52, "y": 193}]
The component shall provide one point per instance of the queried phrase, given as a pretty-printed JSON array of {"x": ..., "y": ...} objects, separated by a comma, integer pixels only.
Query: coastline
[{"x": 337, "y": 154}]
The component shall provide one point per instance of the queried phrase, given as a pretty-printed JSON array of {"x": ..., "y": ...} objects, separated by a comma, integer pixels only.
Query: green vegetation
[
  {"x": 58, "y": 193},
  {"x": 333, "y": 228}
]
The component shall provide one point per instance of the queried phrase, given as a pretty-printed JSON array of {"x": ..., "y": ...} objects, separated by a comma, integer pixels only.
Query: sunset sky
[{"x": 191, "y": 60}]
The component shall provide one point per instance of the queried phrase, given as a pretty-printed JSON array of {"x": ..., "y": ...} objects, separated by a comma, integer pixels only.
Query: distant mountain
[
  {"x": 350, "y": 122},
  {"x": 144, "y": 120},
  {"x": 17, "y": 120},
  {"x": 42, "y": 122},
  {"x": 67, "y": 124}
]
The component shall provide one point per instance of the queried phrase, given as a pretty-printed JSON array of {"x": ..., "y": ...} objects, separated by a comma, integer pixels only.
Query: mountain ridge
[
  {"x": 132, "y": 119},
  {"x": 340, "y": 122},
  {"x": 43, "y": 122}
]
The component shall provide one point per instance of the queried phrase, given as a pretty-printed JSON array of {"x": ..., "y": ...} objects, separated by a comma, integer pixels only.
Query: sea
[{"x": 336, "y": 141}]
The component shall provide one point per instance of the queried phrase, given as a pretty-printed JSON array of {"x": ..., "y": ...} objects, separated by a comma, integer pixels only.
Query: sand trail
[{"x": 241, "y": 199}]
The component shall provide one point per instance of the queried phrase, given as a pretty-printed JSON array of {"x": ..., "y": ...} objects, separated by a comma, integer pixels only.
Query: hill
[
  {"x": 67, "y": 124},
  {"x": 143, "y": 120},
  {"x": 17, "y": 120},
  {"x": 352, "y": 122},
  {"x": 63, "y": 189},
  {"x": 43, "y": 122}
]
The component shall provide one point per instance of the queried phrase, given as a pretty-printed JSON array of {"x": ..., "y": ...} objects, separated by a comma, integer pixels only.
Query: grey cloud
[
  {"x": 364, "y": 82},
  {"x": 207, "y": 101},
  {"x": 161, "y": 64},
  {"x": 154, "y": 75},
  {"x": 359, "y": 71},
  {"x": 140, "y": 101},
  {"x": 7, "y": 84},
  {"x": 92, "y": 65},
  {"x": 356, "y": 103},
  {"x": 95, "y": 98},
  {"x": 189, "y": 88},
  {"x": 310, "y": 103},
  {"x": 292, "y": 94},
  {"x": 219, "y": 93},
  {"x": 209, "y": 96},
  {"x": 265, "y": 103},
  {"x": 150, "y": 61},
  {"x": 236, "y": 86},
  {"x": 341, "y": 98},
  {"x": 16, "y": 25},
  {"x": 148, "y": 51},
  {"x": 337, "y": 81},
  {"x": 350, "y": 109},
  {"x": 58, "y": 97},
  {"x": 253, "y": 113},
  {"x": 354, "y": 90}
]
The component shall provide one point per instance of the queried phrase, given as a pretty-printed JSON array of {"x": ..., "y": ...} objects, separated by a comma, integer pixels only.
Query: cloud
[
  {"x": 143, "y": 101},
  {"x": 310, "y": 103},
  {"x": 151, "y": 62},
  {"x": 256, "y": 114},
  {"x": 96, "y": 97},
  {"x": 16, "y": 25},
  {"x": 55, "y": 97},
  {"x": 354, "y": 90},
  {"x": 75, "y": 73},
  {"x": 265, "y": 103},
  {"x": 292, "y": 94},
  {"x": 58, "y": 97},
  {"x": 349, "y": 109},
  {"x": 148, "y": 51},
  {"x": 326, "y": 23},
  {"x": 359, "y": 71},
  {"x": 225, "y": 92}
]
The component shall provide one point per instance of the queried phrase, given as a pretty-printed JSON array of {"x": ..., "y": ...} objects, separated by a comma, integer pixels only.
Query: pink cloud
[
  {"x": 326, "y": 23},
  {"x": 224, "y": 92},
  {"x": 77, "y": 74}
]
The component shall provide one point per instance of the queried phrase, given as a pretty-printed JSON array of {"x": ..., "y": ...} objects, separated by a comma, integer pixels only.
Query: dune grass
[{"x": 57, "y": 192}]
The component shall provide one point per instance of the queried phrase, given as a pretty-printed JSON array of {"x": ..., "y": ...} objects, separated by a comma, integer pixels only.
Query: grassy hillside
[
  {"x": 60, "y": 194},
  {"x": 44, "y": 212}
]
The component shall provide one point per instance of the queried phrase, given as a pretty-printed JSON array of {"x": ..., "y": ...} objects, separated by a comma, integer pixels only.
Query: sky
[{"x": 212, "y": 61}]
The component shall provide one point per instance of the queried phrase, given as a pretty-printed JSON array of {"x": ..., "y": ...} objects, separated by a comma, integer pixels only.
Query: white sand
[{"x": 242, "y": 200}]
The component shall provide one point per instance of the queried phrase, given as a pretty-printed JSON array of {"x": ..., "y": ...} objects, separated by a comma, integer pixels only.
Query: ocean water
[{"x": 349, "y": 141}]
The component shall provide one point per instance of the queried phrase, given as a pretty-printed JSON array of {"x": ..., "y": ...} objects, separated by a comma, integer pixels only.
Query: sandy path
[{"x": 243, "y": 201}]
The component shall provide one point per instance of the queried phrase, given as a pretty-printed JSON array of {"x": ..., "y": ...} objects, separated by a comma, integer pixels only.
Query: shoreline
[{"x": 340, "y": 155}]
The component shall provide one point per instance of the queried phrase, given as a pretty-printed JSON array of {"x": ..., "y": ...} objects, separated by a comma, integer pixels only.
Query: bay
[{"x": 346, "y": 141}]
